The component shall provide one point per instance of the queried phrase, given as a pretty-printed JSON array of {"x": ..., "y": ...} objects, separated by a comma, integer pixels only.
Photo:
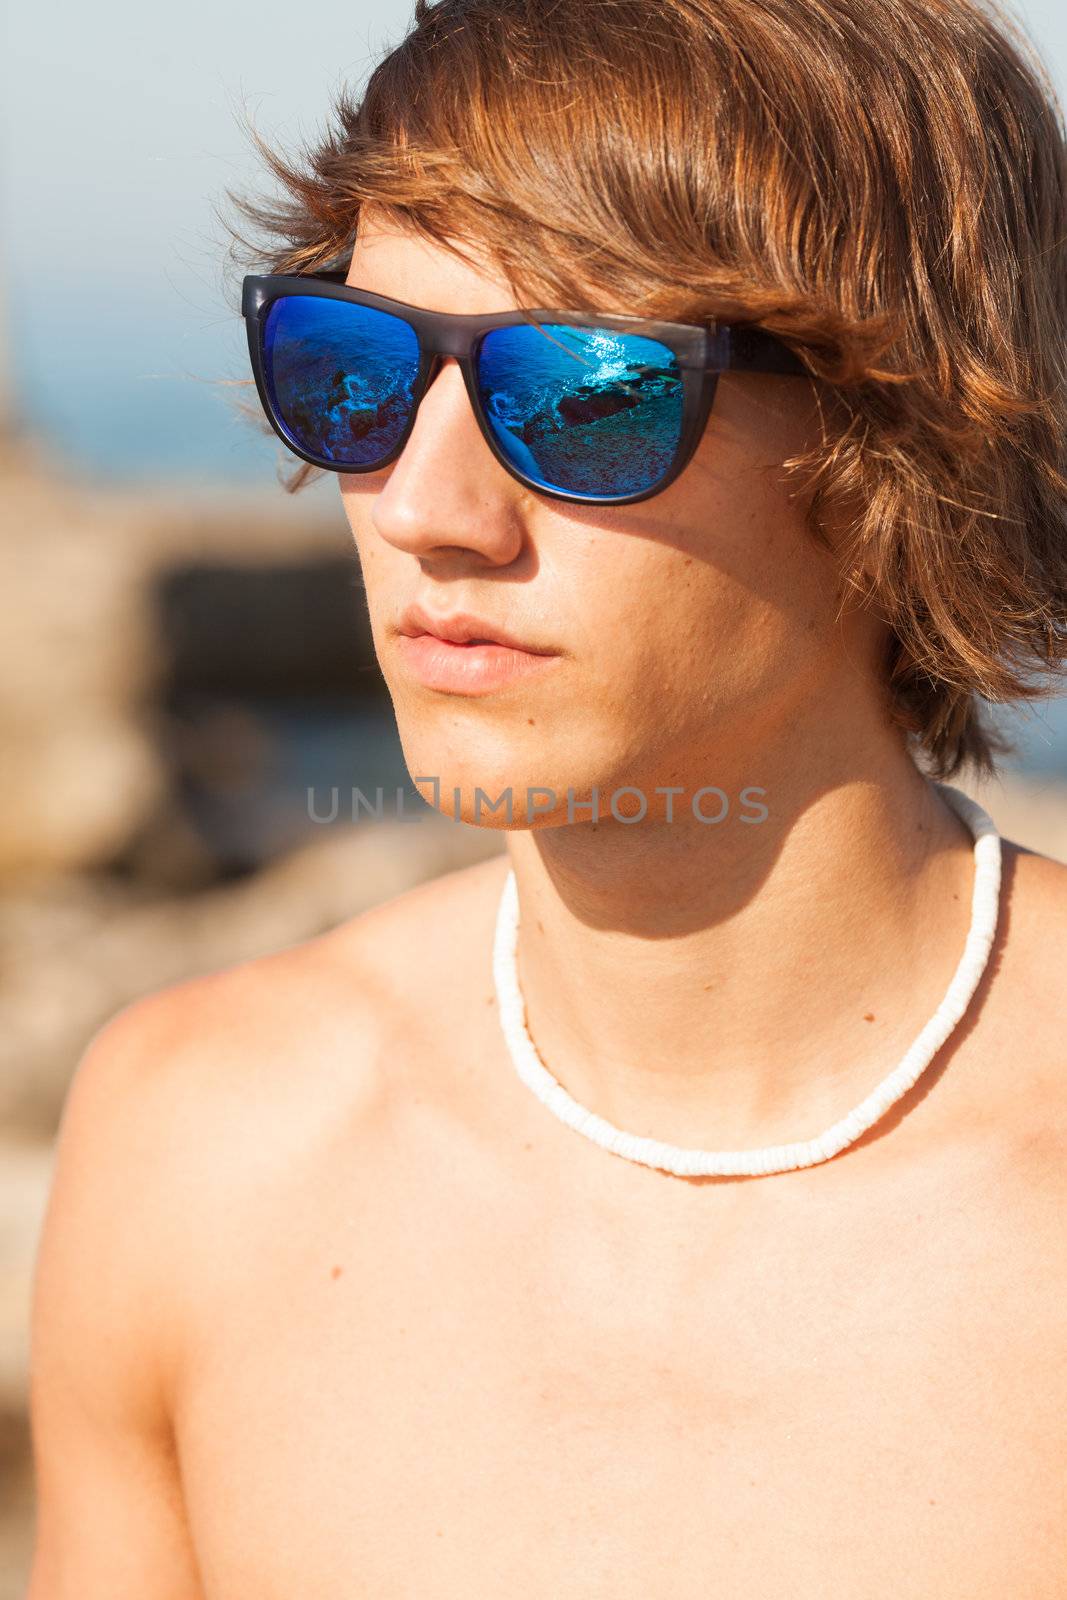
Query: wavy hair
[{"x": 880, "y": 183}]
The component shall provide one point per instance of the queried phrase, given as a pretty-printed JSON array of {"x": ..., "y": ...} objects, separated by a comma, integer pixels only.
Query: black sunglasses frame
[{"x": 702, "y": 353}]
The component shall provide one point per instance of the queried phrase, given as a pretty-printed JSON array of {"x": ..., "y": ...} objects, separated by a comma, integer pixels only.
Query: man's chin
[{"x": 509, "y": 803}]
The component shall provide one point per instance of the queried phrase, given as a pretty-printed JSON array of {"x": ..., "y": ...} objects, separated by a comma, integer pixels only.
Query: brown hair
[{"x": 882, "y": 183}]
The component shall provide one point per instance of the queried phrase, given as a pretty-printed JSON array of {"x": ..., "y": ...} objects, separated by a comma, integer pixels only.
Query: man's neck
[{"x": 739, "y": 984}]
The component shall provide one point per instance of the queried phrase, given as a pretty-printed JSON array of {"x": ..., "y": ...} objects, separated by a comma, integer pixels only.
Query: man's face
[{"x": 688, "y": 629}]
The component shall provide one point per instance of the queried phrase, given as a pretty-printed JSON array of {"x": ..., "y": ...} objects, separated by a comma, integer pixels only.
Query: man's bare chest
[{"x": 436, "y": 1401}]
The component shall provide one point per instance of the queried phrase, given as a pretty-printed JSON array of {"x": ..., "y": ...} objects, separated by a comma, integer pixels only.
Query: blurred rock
[
  {"x": 294, "y": 627},
  {"x": 76, "y": 659},
  {"x": 27, "y": 1174},
  {"x": 97, "y": 611}
]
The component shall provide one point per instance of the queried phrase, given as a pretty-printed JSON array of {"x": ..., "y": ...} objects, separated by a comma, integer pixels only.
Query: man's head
[
  {"x": 689, "y": 628},
  {"x": 881, "y": 183}
]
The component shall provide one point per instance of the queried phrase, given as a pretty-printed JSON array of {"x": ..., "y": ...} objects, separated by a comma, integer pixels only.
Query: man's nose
[{"x": 447, "y": 490}]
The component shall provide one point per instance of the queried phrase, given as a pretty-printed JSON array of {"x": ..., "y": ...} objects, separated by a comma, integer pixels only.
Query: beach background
[{"x": 184, "y": 648}]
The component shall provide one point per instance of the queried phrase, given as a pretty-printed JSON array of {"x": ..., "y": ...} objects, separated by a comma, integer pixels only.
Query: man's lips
[
  {"x": 463, "y": 628},
  {"x": 470, "y": 668}
]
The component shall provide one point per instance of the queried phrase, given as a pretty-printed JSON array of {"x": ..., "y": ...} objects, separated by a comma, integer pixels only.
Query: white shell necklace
[{"x": 775, "y": 1158}]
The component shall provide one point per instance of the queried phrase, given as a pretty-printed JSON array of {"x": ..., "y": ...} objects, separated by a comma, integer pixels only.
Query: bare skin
[{"x": 328, "y": 1304}]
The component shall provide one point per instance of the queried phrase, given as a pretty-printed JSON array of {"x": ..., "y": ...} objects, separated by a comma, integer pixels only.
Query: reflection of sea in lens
[
  {"x": 342, "y": 376},
  {"x": 589, "y": 410}
]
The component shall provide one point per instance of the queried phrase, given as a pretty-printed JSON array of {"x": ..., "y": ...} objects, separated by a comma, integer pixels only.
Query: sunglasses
[{"x": 602, "y": 409}]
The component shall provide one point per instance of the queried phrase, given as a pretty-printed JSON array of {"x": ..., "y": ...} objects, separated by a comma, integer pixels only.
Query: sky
[{"x": 120, "y": 131}]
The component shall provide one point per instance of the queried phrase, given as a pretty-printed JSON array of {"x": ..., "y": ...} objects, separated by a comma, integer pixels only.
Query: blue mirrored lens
[
  {"x": 340, "y": 375},
  {"x": 590, "y": 410}
]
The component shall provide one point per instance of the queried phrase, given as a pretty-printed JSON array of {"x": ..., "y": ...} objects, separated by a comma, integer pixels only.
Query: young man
[{"x": 329, "y": 1302}]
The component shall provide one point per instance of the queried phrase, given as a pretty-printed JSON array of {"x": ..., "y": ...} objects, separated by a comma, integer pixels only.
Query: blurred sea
[
  {"x": 1040, "y": 730},
  {"x": 133, "y": 384}
]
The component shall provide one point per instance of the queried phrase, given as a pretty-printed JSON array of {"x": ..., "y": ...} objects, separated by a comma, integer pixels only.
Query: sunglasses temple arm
[{"x": 737, "y": 348}]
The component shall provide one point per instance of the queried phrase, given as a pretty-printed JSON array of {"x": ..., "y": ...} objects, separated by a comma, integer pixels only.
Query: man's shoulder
[
  {"x": 1034, "y": 910},
  {"x": 1026, "y": 1041},
  {"x": 1048, "y": 875},
  {"x": 194, "y": 1103},
  {"x": 343, "y": 992}
]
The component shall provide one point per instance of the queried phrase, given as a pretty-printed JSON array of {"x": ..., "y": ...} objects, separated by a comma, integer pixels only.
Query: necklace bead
[{"x": 687, "y": 1162}]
